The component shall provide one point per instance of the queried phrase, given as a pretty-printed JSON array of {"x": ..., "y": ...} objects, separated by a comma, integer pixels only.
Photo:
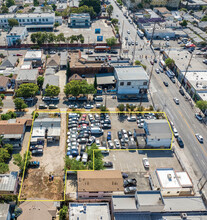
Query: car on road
[
  {"x": 151, "y": 62},
  {"x": 161, "y": 70},
  {"x": 199, "y": 117},
  {"x": 128, "y": 32},
  {"x": 132, "y": 42},
  {"x": 130, "y": 182},
  {"x": 176, "y": 100},
  {"x": 199, "y": 137},
  {"x": 175, "y": 132},
  {"x": 108, "y": 164},
  {"x": 131, "y": 189},
  {"x": 172, "y": 79},
  {"x": 157, "y": 70},
  {"x": 114, "y": 52},
  {"x": 72, "y": 98},
  {"x": 181, "y": 92},
  {"x": 89, "y": 52},
  {"x": 165, "y": 83},
  {"x": 129, "y": 43},
  {"x": 126, "y": 38},
  {"x": 145, "y": 163},
  {"x": 180, "y": 142}
]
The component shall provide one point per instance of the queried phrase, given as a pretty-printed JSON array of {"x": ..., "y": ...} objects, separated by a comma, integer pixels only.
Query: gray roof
[
  {"x": 49, "y": 71},
  {"x": 8, "y": 181},
  {"x": 29, "y": 75},
  {"x": 51, "y": 80},
  {"x": 16, "y": 30},
  {"x": 105, "y": 78},
  {"x": 10, "y": 61},
  {"x": 131, "y": 73},
  {"x": 4, "y": 209},
  {"x": 63, "y": 58},
  {"x": 124, "y": 202},
  {"x": 158, "y": 129}
]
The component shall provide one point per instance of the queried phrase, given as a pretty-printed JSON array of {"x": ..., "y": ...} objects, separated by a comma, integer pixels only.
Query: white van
[
  {"x": 98, "y": 98},
  {"x": 85, "y": 157}
]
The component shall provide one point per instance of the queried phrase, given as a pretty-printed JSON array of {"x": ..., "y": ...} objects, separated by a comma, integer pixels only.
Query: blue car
[{"x": 109, "y": 136}]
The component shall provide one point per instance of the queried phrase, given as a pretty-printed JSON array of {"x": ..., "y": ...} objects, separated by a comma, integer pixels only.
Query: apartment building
[{"x": 16, "y": 35}]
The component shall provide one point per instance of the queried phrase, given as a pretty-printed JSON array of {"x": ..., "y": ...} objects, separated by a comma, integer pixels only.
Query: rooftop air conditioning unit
[{"x": 183, "y": 215}]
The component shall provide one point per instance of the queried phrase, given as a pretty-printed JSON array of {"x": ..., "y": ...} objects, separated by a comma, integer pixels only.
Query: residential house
[
  {"x": 203, "y": 25},
  {"x": 13, "y": 131},
  {"x": 75, "y": 77},
  {"x": 61, "y": 7},
  {"x": 5, "y": 213},
  {"x": 99, "y": 184},
  {"x": 131, "y": 81},
  {"x": 199, "y": 14},
  {"x": 16, "y": 36},
  {"x": 26, "y": 76},
  {"x": 46, "y": 127},
  {"x": 63, "y": 60},
  {"x": 79, "y": 20},
  {"x": 50, "y": 78},
  {"x": 13, "y": 9},
  {"x": 9, "y": 62},
  {"x": 9, "y": 183},
  {"x": 38, "y": 210},
  {"x": 158, "y": 133},
  {"x": 4, "y": 82},
  {"x": 54, "y": 62},
  {"x": 35, "y": 56}
]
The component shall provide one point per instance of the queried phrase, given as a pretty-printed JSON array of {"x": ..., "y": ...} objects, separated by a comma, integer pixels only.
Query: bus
[
  {"x": 170, "y": 74},
  {"x": 140, "y": 33},
  {"x": 162, "y": 64},
  {"x": 99, "y": 49}
]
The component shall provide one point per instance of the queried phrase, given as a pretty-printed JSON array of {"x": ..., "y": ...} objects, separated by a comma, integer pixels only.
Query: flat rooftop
[
  {"x": 124, "y": 202},
  {"x": 167, "y": 178},
  {"x": 184, "y": 179},
  {"x": 87, "y": 211}
]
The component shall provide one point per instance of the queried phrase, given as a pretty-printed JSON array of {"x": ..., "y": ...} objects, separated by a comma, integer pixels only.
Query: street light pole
[
  {"x": 133, "y": 55},
  {"x": 122, "y": 32}
]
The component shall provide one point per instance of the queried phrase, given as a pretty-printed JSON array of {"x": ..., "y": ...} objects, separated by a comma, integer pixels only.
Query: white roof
[
  {"x": 33, "y": 54},
  {"x": 131, "y": 73},
  {"x": 167, "y": 178},
  {"x": 184, "y": 179}
]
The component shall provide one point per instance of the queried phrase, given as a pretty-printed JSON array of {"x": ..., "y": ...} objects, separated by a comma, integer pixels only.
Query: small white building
[
  {"x": 16, "y": 36},
  {"x": 158, "y": 133},
  {"x": 131, "y": 81},
  {"x": 79, "y": 20}
]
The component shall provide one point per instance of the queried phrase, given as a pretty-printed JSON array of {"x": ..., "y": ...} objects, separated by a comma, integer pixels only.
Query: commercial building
[
  {"x": 16, "y": 36},
  {"x": 91, "y": 210},
  {"x": 46, "y": 127},
  {"x": 26, "y": 76},
  {"x": 131, "y": 81},
  {"x": 171, "y": 183},
  {"x": 5, "y": 213},
  {"x": 158, "y": 133},
  {"x": 99, "y": 184},
  {"x": 35, "y": 56},
  {"x": 32, "y": 21},
  {"x": 79, "y": 20},
  {"x": 13, "y": 131},
  {"x": 9, "y": 183}
]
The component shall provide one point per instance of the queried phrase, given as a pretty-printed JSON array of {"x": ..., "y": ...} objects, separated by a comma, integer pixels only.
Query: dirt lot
[{"x": 36, "y": 183}]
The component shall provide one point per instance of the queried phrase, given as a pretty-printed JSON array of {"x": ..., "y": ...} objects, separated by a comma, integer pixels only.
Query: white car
[
  {"x": 123, "y": 131},
  {"x": 98, "y": 143},
  {"x": 88, "y": 106},
  {"x": 199, "y": 137},
  {"x": 145, "y": 163},
  {"x": 176, "y": 101},
  {"x": 198, "y": 116},
  {"x": 132, "y": 118},
  {"x": 126, "y": 138},
  {"x": 116, "y": 143},
  {"x": 175, "y": 132},
  {"x": 128, "y": 32},
  {"x": 110, "y": 144},
  {"x": 157, "y": 71}
]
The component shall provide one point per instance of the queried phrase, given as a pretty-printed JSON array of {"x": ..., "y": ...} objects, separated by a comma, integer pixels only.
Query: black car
[
  {"x": 124, "y": 175},
  {"x": 106, "y": 126},
  {"x": 130, "y": 182},
  {"x": 84, "y": 135},
  {"x": 83, "y": 122},
  {"x": 119, "y": 135},
  {"x": 180, "y": 142},
  {"x": 181, "y": 92},
  {"x": 108, "y": 164},
  {"x": 114, "y": 52},
  {"x": 165, "y": 83}
]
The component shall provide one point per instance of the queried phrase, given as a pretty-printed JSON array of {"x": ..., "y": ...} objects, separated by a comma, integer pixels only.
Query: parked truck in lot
[
  {"x": 140, "y": 33},
  {"x": 85, "y": 157},
  {"x": 96, "y": 130}
]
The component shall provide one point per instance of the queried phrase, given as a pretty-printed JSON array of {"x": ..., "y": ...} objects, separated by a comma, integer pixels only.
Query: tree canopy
[
  {"x": 184, "y": 23},
  {"x": 13, "y": 22},
  {"x": 98, "y": 158},
  {"x": 84, "y": 9},
  {"x": 27, "y": 90},
  {"x": 109, "y": 10},
  {"x": 19, "y": 104},
  {"x": 20, "y": 161},
  {"x": 76, "y": 87},
  {"x": 52, "y": 90},
  {"x": 9, "y": 3},
  {"x": 95, "y": 4},
  {"x": 202, "y": 105},
  {"x": 169, "y": 62},
  {"x": 40, "y": 81},
  {"x": 111, "y": 41},
  {"x": 73, "y": 164}
]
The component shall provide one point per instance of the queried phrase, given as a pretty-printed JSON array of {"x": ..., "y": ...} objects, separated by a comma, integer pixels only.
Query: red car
[
  {"x": 19, "y": 55},
  {"x": 83, "y": 125},
  {"x": 152, "y": 62}
]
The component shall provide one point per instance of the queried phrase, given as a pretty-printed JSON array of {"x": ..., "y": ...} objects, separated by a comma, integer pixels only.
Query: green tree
[
  {"x": 4, "y": 168},
  {"x": 9, "y": 3},
  {"x": 109, "y": 10},
  {"x": 22, "y": 162},
  {"x": 4, "y": 155},
  {"x": 137, "y": 63},
  {"x": 56, "y": 25},
  {"x": 103, "y": 108},
  {"x": 52, "y": 90},
  {"x": 121, "y": 107},
  {"x": 169, "y": 62},
  {"x": 40, "y": 81},
  {"x": 95, "y": 82},
  {"x": 60, "y": 37},
  {"x": 19, "y": 104},
  {"x": 204, "y": 18},
  {"x": 1, "y": 103},
  {"x": 111, "y": 41},
  {"x": 184, "y": 23},
  {"x": 95, "y": 4},
  {"x": 63, "y": 213},
  {"x": 35, "y": 2},
  {"x": 98, "y": 158},
  {"x": 202, "y": 105},
  {"x": 54, "y": 7},
  {"x": 13, "y": 22},
  {"x": 27, "y": 90},
  {"x": 73, "y": 164},
  {"x": 84, "y": 9},
  {"x": 68, "y": 71},
  {"x": 8, "y": 147},
  {"x": 114, "y": 21},
  {"x": 4, "y": 9}
]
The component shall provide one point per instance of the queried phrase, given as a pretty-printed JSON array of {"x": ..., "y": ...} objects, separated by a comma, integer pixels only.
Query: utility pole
[
  {"x": 153, "y": 31},
  {"x": 186, "y": 70},
  {"x": 133, "y": 55},
  {"x": 122, "y": 32}
]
